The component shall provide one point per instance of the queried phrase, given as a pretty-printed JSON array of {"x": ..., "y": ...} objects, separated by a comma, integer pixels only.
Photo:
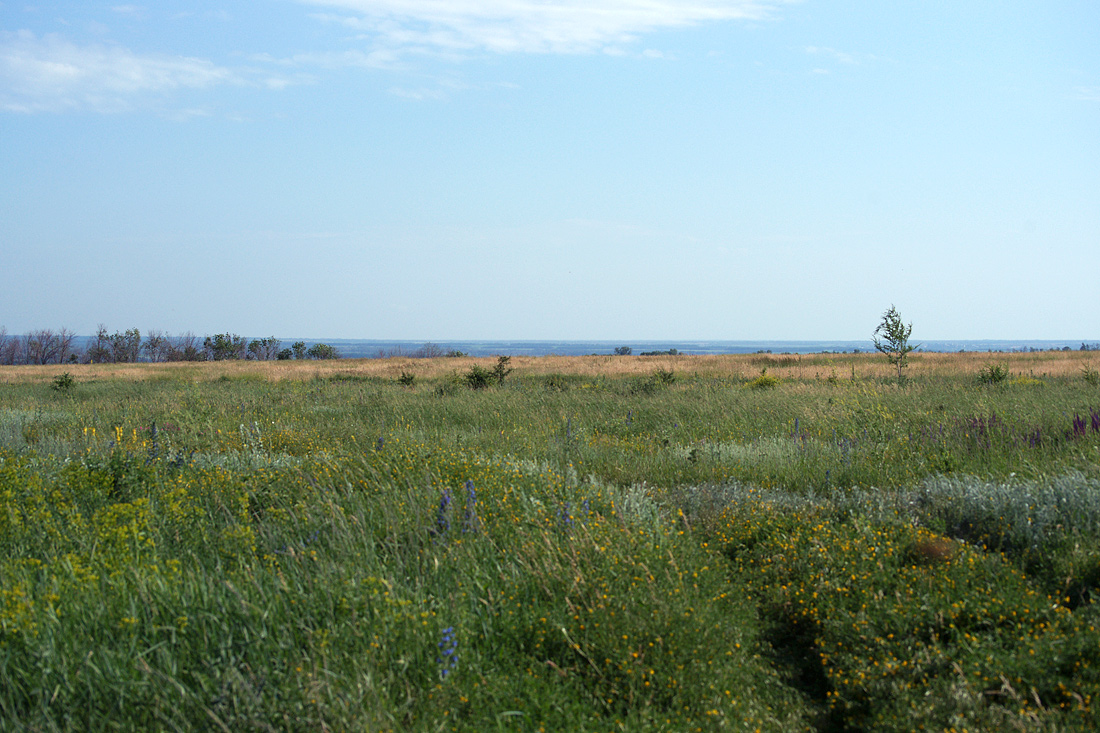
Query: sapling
[{"x": 895, "y": 339}]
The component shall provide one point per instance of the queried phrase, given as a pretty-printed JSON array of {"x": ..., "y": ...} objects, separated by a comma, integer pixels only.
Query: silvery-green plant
[{"x": 894, "y": 342}]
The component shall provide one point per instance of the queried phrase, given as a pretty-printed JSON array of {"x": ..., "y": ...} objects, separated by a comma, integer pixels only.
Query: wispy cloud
[
  {"x": 527, "y": 26},
  {"x": 377, "y": 59},
  {"x": 50, "y": 73},
  {"x": 841, "y": 56},
  {"x": 136, "y": 11},
  {"x": 1088, "y": 94}
]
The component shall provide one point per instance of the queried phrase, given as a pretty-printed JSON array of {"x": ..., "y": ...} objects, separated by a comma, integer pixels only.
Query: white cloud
[
  {"x": 378, "y": 59},
  {"x": 53, "y": 74},
  {"x": 1088, "y": 94},
  {"x": 841, "y": 56},
  {"x": 134, "y": 10},
  {"x": 529, "y": 26},
  {"x": 418, "y": 94}
]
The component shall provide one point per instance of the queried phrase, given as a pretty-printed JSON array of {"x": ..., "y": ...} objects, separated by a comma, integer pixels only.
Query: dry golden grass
[{"x": 805, "y": 367}]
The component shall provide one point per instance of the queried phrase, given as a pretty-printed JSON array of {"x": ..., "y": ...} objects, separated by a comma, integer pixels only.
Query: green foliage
[
  {"x": 243, "y": 554},
  {"x": 406, "y": 379},
  {"x": 264, "y": 349},
  {"x": 322, "y": 351},
  {"x": 223, "y": 346},
  {"x": 478, "y": 377},
  {"x": 501, "y": 369},
  {"x": 1090, "y": 375},
  {"x": 623, "y": 351},
  {"x": 664, "y": 376},
  {"x": 764, "y": 381},
  {"x": 63, "y": 382},
  {"x": 992, "y": 374},
  {"x": 894, "y": 341}
]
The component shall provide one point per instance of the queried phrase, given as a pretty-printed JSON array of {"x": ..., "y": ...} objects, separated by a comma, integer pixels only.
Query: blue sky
[{"x": 532, "y": 169}]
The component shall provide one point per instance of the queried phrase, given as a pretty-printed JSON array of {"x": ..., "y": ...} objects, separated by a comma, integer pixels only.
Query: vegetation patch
[{"x": 559, "y": 550}]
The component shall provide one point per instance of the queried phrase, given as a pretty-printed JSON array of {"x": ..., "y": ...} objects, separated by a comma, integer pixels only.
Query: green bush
[
  {"x": 478, "y": 377},
  {"x": 63, "y": 382},
  {"x": 764, "y": 381},
  {"x": 992, "y": 374}
]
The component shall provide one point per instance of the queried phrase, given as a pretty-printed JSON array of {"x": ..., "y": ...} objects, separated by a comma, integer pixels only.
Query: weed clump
[
  {"x": 992, "y": 374},
  {"x": 764, "y": 381}
]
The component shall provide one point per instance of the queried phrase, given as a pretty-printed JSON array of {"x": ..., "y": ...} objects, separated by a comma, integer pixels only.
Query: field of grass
[{"x": 759, "y": 542}]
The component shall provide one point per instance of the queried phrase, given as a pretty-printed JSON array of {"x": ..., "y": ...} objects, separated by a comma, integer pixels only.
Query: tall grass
[{"x": 235, "y": 549}]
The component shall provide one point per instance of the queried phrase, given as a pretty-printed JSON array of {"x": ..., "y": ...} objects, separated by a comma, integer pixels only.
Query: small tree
[
  {"x": 223, "y": 346},
  {"x": 322, "y": 351},
  {"x": 623, "y": 351},
  {"x": 501, "y": 370},
  {"x": 895, "y": 339},
  {"x": 264, "y": 349}
]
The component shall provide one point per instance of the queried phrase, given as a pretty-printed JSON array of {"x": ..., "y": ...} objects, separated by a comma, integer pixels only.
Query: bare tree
[
  {"x": 264, "y": 349},
  {"x": 41, "y": 346},
  {"x": 99, "y": 349},
  {"x": 155, "y": 346},
  {"x": 12, "y": 351},
  {"x": 65, "y": 339},
  {"x": 184, "y": 347}
]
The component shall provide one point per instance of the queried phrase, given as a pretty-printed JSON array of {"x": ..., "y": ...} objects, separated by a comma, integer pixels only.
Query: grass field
[{"x": 758, "y": 542}]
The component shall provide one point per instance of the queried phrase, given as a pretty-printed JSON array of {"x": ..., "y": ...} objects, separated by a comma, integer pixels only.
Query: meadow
[{"x": 674, "y": 543}]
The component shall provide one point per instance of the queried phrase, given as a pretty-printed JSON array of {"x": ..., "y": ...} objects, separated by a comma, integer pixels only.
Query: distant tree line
[
  {"x": 627, "y": 351},
  {"x": 426, "y": 351},
  {"x": 46, "y": 346}
]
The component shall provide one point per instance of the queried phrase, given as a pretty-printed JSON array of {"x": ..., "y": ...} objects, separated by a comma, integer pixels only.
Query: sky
[{"x": 551, "y": 169}]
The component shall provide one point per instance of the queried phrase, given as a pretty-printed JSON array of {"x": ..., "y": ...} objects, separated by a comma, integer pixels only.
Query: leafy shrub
[
  {"x": 63, "y": 382},
  {"x": 406, "y": 379},
  {"x": 992, "y": 374},
  {"x": 664, "y": 376},
  {"x": 501, "y": 370},
  {"x": 478, "y": 377},
  {"x": 322, "y": 351},
  {"x": 557, "y": 383},
  {"x": 223, "y": 346},
  {"x": 764, "y": 381},
  {"x": 1091, "y": 375}
]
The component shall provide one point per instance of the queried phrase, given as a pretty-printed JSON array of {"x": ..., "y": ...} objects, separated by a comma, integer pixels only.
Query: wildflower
[
  {"x": 448, "y": 651},
  {"x": 442, "y": 522},
  {"x": 565, "y": 516},
  {"x": 469, "y": 519}
]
